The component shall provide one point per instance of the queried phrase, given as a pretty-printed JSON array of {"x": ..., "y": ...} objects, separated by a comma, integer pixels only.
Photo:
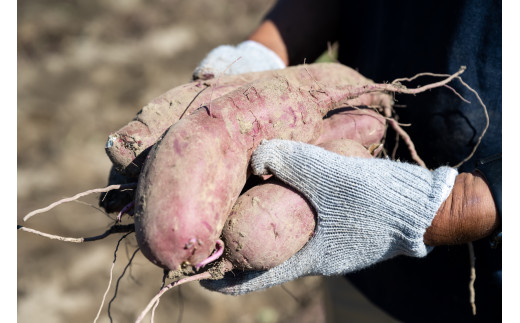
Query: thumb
[{"x": 297, "y": 164}]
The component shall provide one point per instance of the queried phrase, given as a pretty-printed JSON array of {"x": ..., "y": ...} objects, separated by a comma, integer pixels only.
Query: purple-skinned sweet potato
[
  {"x": 128, "y": 147},
  {"x": 194, "y": 174}
]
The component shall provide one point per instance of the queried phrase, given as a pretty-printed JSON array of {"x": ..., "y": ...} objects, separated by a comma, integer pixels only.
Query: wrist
[{"x": 468, "y": 214}]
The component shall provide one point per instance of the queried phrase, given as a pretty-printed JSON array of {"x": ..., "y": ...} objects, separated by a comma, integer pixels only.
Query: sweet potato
[
  {"x": 194, "y": 174},
  {"x": 128, "y": 146},
  {"x": 272, "y": 221}
]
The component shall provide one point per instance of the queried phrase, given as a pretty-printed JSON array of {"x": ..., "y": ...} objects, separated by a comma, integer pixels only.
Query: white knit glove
[
  {"x": 369, "y": 210},
  {"x": 254, "y": 57}
]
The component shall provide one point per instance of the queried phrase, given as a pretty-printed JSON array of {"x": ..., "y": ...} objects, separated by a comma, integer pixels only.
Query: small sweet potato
[{"x": 272, "y": 221}]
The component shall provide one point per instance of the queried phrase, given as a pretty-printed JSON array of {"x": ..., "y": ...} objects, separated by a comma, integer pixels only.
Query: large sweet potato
[
  {"x": 195, "y": 173},
  {"x": 128, "y": 146}
]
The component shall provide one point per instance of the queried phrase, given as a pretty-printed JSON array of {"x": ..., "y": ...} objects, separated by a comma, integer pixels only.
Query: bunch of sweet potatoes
[{"x": 191, "y": 149}]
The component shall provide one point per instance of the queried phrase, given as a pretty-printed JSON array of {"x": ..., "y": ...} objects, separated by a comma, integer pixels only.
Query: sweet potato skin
[
  {"x": 194, "y": 174},
  {"x": 270, "y": 222},
  {"x": 360, "y": 124}
]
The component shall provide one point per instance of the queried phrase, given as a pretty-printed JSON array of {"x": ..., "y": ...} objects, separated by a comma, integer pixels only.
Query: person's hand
[
  {"x": 248, "y": 56},
  {"x": 369, "y": 210}
]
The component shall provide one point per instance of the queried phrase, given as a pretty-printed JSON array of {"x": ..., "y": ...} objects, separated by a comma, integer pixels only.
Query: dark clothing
[
  {"x": 385, "y": 40},
  {"x": 393, "y": 39}
]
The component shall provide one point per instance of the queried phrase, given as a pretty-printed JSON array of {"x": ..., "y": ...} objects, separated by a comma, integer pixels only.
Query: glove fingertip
[
  {"x": 232, "y": 283},
  {"x": 215, "y": 63}
]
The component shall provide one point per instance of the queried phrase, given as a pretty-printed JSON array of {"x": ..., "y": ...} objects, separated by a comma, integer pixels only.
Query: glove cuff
[
  {"x": 398, "y": 200},
  {"x": 415, "y": 219}
]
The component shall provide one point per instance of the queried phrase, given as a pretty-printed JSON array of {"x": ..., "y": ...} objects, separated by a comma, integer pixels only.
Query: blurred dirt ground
[{"x": 84, "y": 69}]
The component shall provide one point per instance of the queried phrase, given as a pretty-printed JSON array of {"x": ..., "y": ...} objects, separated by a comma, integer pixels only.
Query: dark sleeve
[
  {"x": 491, "y": 168},
  {"x": 306, "y": 26}
]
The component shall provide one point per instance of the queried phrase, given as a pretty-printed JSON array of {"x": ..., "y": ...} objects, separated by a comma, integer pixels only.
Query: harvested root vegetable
[
  {"x": 194, "y": 174},
  {"x": 128, "y": 147},
  {"x": 272, "y": 221}
]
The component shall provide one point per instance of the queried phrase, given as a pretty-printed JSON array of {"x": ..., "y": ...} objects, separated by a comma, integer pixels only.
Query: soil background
[{"x": 85, "y": 68}]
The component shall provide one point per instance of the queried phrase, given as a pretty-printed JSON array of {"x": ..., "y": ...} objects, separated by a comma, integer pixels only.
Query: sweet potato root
[
  {"x": 128, "y": 146},
  {"x": 272, "y": 221},
  {"x": 195, "y": 173}
]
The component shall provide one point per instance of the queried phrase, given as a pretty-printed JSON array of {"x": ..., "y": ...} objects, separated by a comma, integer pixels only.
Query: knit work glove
[
  {"x": 369, "y": 210},
  {"x": 254, "y": 57}
]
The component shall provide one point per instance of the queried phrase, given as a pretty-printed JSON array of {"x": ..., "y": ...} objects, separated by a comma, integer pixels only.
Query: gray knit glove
[
  {"x": 254, "y": 57},
  {"x": 369, "y": 210}
]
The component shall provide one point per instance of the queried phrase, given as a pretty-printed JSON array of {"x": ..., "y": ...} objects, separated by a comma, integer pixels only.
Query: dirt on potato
[{"x": 84, "y": 70}]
